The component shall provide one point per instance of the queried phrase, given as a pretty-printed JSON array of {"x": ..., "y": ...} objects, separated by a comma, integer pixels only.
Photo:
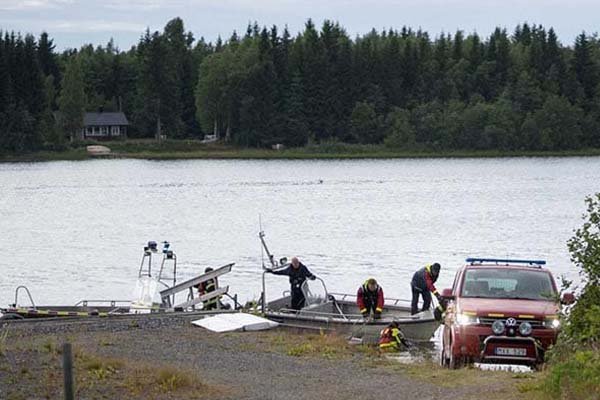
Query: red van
[{"x": 500, "y": 311}]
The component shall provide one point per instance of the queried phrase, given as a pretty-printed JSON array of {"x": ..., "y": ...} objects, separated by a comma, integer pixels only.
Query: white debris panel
[
  {"x": 504, "y": 367},
  {"x": 228, "y": 322}
]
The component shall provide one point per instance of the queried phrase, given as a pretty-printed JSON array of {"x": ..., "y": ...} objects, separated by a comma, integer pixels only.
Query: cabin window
[
  {"x": 115, "y": 130},
  {"x": 104, "y": 130}
]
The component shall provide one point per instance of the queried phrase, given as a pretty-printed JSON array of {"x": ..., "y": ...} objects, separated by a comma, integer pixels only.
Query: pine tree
[
  {"x": 51, "y": 133},
  {"x": 48, "y": 58},
  {"x": 71, "y": 101},
  {"x": 178, "y": 44},
  {"x": 585, "y": 68},
  {"x": 159, "y": 107},
  {"x": 293, "y": 127}
]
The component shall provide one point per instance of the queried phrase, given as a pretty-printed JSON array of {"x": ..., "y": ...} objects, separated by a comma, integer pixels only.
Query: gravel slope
[{"x": 241, "y": 365}]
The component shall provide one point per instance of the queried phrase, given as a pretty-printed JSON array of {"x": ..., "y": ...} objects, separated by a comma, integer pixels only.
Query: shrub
[{"x": 574, "y": 368}]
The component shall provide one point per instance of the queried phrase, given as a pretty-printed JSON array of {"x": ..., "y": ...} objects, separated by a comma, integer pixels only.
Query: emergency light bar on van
[{"x": 507, "y": 261}]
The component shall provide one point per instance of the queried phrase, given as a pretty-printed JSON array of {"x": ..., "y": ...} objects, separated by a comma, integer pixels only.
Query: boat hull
[{"x": 343, "y": 317}]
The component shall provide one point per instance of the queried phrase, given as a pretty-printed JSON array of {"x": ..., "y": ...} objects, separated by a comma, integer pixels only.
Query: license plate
[{"x": 511, "y": 351}]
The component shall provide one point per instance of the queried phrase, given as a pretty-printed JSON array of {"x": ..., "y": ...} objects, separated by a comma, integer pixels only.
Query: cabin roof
[{"x": 104, "y": 119}]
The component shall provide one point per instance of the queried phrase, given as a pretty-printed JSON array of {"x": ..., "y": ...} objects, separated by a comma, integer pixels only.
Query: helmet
[{"x": 435, "y": 269}]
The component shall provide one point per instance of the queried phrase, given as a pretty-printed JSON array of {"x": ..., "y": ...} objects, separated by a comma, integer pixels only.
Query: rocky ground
[{"x": 168, "y": 358}]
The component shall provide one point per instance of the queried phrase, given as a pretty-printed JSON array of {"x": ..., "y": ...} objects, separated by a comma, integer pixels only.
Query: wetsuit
[
  {"x": 422, "y": 284},
  {"x": 297, "y": 278}
]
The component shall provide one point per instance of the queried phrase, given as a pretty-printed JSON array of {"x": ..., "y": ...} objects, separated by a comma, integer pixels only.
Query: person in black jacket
[
  {"x": 298, "y": 274},
  {"x": 422, "y": 284}
]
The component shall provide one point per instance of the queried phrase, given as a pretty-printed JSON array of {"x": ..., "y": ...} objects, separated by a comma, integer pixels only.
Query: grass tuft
[
  {"x": 170, "y": 379},
  {"x": 3, "y": 339}
]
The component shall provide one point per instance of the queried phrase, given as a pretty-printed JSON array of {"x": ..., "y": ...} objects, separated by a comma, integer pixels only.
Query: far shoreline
[{"x": 194, "y": 150}]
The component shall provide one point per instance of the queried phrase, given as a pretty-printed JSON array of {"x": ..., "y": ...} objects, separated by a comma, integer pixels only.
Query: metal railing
[
  {"x": 28, "y": 295},
  {"x": 110, "y": 303},
  {"x": 387, "y": 300}
]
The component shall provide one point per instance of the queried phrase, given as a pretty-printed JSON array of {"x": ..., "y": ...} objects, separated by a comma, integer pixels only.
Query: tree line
[{"x": 401, "y": 88}]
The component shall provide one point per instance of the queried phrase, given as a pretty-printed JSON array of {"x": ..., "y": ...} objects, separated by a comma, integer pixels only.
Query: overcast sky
[{"x": 74, "y": 22}]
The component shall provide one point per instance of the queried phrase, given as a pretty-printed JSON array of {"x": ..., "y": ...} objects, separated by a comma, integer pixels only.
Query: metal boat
[
  {"x": 339, "y": 312},
  {"x": 155, "y": 291}
]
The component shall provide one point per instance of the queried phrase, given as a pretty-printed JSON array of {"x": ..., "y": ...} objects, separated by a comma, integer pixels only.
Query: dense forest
[{"x": 405, "y": 89}]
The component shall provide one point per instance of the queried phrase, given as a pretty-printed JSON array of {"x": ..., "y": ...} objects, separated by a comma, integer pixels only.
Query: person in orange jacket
[
  {"x": 370, "y": 298},
  {"x": 391, "y": 338}
]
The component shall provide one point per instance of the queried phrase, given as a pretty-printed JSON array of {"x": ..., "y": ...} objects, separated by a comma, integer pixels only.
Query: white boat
[{"x": 98, "y": 151}]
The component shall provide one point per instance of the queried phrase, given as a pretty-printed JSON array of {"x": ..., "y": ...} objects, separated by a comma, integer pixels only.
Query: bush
[
  {"x": 584, "y": 320},
  {"x": 574, "y": 367},
  {"x": 578, "y": 377}
]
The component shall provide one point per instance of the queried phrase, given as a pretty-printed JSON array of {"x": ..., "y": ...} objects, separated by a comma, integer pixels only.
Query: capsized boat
[{"x": 339, "y": 312}]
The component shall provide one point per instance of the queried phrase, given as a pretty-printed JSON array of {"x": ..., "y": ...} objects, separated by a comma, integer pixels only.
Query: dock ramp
[{"x": 168, "y": 295}]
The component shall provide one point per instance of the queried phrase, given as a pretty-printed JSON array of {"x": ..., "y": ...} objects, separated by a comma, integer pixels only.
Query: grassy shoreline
[{"x": 183, "y": 150}]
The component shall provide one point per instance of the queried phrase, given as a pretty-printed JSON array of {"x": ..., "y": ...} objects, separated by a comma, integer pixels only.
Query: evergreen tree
[
  {"x": 293, "y": 127},
  {"x": 34, "y": 96},
  {"x": 48, "y": 58},
  {"x": 71, "y": 101},
  {"x": 16, "y": 126},
  {"x": 159, "y": 106},
  {"x": 179, "y": 47},
  {"x": 266, "y": 87},
  {"x": 585, "y": 68},
  {"x": 51, "y": 133}
]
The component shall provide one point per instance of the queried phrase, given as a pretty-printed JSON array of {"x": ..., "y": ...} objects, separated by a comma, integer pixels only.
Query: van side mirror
[
  {"x": 447, "y": 294},
  {"x": 567, "y": 298}
]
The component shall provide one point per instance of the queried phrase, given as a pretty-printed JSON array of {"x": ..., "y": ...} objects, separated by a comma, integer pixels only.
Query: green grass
[
  {"x": 66, "y": 155},
  {"x": 322, "y": 345},
  {"x": 476, "y": 384},
  {"x": 575, "y": 376},
  {"x": 193, "y": 149},
  {"x": 3, "y": 339}
]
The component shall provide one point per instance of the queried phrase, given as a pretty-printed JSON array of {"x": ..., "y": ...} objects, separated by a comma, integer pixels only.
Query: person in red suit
[{"x": 370, "y": 298}]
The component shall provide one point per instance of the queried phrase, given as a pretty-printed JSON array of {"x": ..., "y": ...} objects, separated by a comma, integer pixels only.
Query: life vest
[
  {"x": 421, "y": 277},
  {"x": 368, "y": 299},
  {"x": 390, "y": 339},
  {"x": 207, "y": 287}
]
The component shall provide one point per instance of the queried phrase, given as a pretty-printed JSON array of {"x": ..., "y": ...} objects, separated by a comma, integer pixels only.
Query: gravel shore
[{"x": 115, "y": 357}]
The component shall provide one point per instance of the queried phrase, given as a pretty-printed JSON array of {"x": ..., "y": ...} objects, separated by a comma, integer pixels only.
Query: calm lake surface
[{"x": 75, "y": 230}]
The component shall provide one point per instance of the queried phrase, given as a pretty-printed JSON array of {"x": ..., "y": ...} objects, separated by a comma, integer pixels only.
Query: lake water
[{"x": 75, "y": 230}]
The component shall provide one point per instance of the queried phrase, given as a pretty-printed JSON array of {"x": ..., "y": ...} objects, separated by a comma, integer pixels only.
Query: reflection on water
[{"x": 74, "y": 230}]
